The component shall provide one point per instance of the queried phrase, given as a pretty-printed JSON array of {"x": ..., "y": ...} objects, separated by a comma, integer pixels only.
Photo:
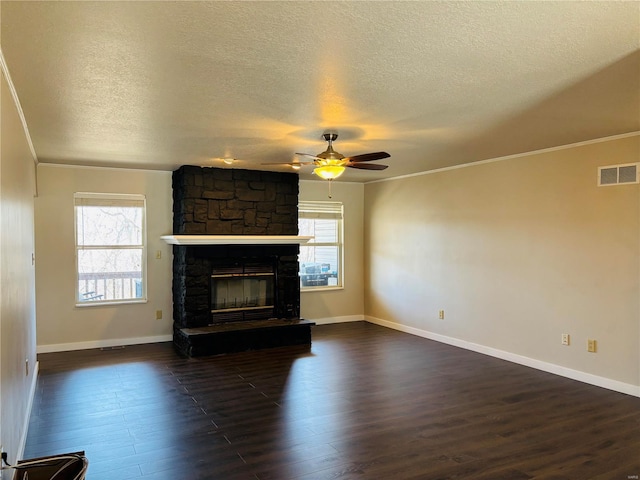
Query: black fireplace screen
[{"x": 242, "y": 292}]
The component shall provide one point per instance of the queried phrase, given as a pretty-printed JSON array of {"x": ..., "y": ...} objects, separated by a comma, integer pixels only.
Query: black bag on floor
[{"x": 67, "y": 466}]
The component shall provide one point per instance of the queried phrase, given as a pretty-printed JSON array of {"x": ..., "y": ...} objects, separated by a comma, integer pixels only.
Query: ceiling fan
[{"x": 330, "y": 164}]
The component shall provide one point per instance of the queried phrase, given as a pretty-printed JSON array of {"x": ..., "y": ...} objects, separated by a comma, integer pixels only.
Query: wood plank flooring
[{"x": 365, "y": 402}]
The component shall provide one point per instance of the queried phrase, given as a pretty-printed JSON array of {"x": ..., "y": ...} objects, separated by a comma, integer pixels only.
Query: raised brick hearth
[{"x": 212, "y": 201}]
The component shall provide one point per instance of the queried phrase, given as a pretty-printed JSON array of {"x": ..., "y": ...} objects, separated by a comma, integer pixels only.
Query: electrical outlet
[
  {"x": 158, "y": 254},
  {"x": 592, "y": 346},
  {"x": 158, "y": 314},
  {"x": 565, "y": 339},
  {"x": 441, "y": 314}
]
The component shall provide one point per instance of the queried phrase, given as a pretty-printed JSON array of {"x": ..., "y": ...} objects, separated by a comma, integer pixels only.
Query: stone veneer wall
[
  {"x": 213, "y": 201},
  {"x": 217, "y": 201}
]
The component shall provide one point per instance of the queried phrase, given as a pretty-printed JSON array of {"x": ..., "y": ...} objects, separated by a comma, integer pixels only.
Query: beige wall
[
  {"x": 61, "y": 324},
  {"x": 516, "y": 252},
  {"x": 17, "y": 291},
  {"x": 348, "y": 303}
]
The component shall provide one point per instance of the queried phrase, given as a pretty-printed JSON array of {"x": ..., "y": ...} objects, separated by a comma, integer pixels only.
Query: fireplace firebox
[
  {"x": 231, "y": 283},
  {"x": 242, "y": 291}
]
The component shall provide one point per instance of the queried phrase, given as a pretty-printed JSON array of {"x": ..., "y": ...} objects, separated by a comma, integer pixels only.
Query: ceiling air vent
[{"x": 618, "y": 174}]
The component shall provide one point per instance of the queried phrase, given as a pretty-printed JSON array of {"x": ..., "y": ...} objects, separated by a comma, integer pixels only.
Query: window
[
  {"x": 110, "y": 248},
  {"x": 321, "y": 259}
]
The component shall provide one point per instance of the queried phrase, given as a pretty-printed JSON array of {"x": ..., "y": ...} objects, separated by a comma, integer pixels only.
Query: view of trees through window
[{"x": 110, "y": 247}]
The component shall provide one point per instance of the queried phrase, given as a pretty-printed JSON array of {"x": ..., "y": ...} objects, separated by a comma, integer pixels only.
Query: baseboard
[
  {"x": 27, "y": 416},
  {"x": 343, "y": 319},
  {"x": 117, "y": 342},
  {"x": 68, "y": 347},
  {"x": 584, "y": 377}
]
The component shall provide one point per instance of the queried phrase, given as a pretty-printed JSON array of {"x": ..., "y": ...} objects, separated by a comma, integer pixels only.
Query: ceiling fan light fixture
[
  {"x": 330, "y": 164},
  {"x": 329, "y": 172}
]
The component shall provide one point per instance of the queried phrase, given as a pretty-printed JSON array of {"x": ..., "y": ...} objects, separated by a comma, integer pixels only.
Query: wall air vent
[{"x": 619, "y": 174}]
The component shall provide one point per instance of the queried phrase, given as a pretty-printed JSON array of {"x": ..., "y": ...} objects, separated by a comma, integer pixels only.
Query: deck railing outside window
[{"x": 109, "y": 286}]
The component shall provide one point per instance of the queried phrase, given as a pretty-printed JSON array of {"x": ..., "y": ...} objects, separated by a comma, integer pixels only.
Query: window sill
[
  {"x": 320, "y": 289},
  {"x": 113, "y": 302}
]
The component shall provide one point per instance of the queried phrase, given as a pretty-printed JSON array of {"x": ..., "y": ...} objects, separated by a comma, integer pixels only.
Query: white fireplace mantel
[{"x": 235, "y": 239}]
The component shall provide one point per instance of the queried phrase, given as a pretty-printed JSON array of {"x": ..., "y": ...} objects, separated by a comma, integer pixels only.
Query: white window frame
[
  {"x": 114, "y": 199},
  {"x": 325, "y": 210}
]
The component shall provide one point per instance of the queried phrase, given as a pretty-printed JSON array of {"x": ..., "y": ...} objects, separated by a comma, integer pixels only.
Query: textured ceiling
[{"x": 160, "y": 84}]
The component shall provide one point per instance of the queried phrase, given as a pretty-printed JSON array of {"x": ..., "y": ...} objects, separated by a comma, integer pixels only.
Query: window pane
[
  {"x": 323, "y": 230},
  {"x": 326, "y": 231},
  {"x": 319, "y": 266},
  {"x": 107, "y": 225},
  {"x": 110, "y": 274},
  {"x": 305, "y": 226}
]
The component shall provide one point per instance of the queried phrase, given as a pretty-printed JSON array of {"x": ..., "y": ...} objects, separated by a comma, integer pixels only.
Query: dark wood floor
[{"x": 365, "y": 402}]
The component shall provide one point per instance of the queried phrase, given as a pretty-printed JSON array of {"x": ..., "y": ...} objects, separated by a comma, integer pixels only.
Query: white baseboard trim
[
  {"x": 117, "y": 342},
  {"x": 584, "y": 377},
  {"x": 27, "y": 415},
  {"x": 343, "y": 319},
  {"x": 68, "y": 347}
]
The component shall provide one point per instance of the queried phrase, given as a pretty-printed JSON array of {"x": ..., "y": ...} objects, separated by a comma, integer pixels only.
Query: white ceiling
[{"x": 160, "y": 84}]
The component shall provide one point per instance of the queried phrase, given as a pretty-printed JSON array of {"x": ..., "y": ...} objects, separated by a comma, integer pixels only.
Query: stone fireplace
[{"x": 235, "y": 260}]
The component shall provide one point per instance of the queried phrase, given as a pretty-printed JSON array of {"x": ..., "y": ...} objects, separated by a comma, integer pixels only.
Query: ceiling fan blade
[
  {"x": 309, "y": 155},
  {"x": 367, "y": 166},
  {"x": 367, "y": 157},
  {"x": 289, "y": 163}
]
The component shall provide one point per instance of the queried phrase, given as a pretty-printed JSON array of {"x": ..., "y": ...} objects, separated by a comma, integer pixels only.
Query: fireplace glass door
[{"x": 242, "y": 292}]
